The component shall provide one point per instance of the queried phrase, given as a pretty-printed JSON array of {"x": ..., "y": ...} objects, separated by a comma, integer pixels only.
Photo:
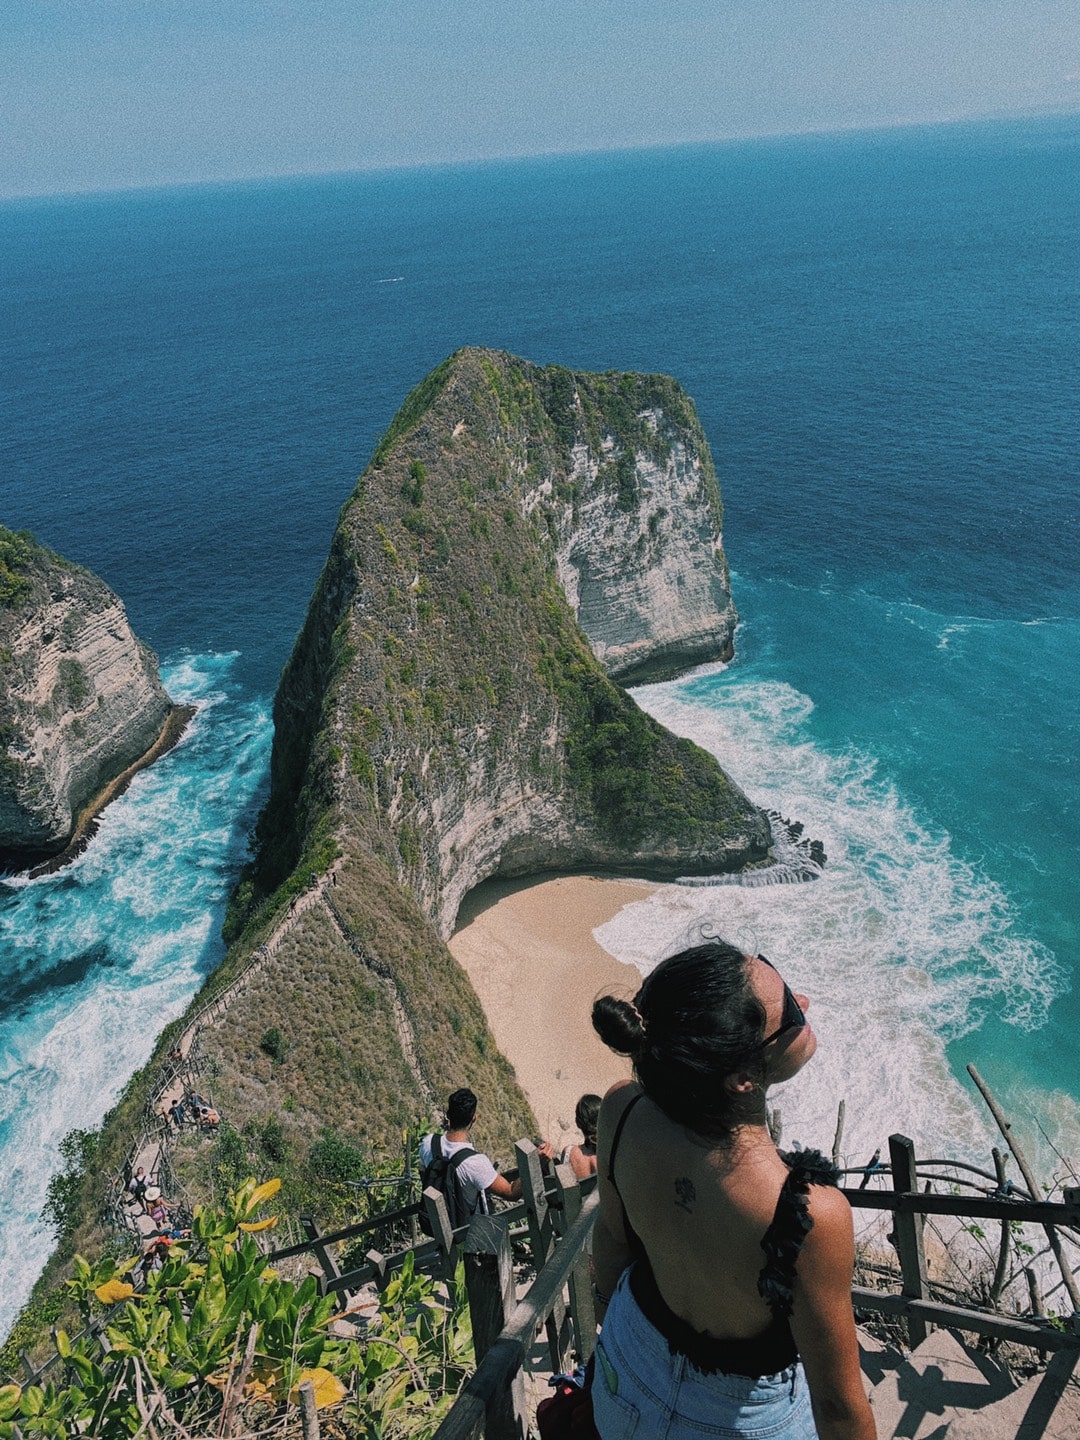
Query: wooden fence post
[
  {"x": 377, "y": 1261},
  {"x": 541, "y": 1235},
  {"x": 330, "y": 1268},
  {"x": 582, "y": 1310},
  {"x": 1002, "y": 1268},
  {"x": 489, "y": 1280},
  {"x": 909, "y": 1233},
  {"x": 309, "y": 1415},
  {"x": 438, "y": 1218},
  {"x": 408, "y": 1148}
]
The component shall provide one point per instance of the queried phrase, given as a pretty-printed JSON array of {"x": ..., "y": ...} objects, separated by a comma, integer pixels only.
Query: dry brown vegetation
[
  {"x": 342, "y": 1063},
  {"x": 341, "y": 1067}
]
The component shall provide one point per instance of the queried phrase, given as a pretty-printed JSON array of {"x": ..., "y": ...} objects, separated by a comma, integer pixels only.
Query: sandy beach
[{"x": 529, "y": 951}]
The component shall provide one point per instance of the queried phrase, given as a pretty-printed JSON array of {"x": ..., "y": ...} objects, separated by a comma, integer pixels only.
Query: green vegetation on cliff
[
  {"x": 24, "y": 562},
  {"x": 16, "y": 556},
  {"x": 442, "y": 719},
  {"x": 439, "y": 639}
]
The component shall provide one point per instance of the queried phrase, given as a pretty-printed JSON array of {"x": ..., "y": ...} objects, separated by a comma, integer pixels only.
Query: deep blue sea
[{"x": 882, "y": 334}]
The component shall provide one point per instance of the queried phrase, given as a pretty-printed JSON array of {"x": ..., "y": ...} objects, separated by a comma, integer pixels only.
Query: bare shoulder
[
  {"x": 831, "y": 1240},
  {"x": 615, "y": 1102},
  {"x": 619, "y": 1093},
  {"x": 829, "y": 1205}
]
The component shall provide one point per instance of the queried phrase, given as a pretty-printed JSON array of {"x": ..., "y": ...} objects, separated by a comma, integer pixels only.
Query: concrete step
[
  {"x": 876, "y": 1359},
  {"x": 936, "y": 1384},
  {"x": 1046, "y": 1407}
]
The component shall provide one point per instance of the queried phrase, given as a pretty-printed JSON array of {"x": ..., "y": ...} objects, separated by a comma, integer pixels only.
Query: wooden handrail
[
  {"x": 959, "y": 1317},
  {"x": 406, "y": 1212},
  {"x": 975, "y": 1207},
  {"x": 466, "y": 1416},
  {"x": 427, "y": 1252}
]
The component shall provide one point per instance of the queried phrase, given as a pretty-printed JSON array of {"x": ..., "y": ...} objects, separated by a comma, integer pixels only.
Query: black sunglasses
[{"x": 792, "y": 1017}]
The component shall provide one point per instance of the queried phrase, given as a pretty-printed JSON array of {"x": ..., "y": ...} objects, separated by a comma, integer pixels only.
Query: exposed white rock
[
  {"x": 648, "y": 582},
  {"x": 80, "y": 701}
]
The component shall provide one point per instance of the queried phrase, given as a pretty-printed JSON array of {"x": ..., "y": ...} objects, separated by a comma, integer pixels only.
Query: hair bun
[{"x": 619, "y": 1025}]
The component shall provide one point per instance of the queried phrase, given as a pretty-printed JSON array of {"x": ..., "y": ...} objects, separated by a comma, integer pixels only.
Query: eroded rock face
[
  {"x": 520, "y": 532},
  {"x": 80, "y": 696},
  {"x": 646, "y": 574}
]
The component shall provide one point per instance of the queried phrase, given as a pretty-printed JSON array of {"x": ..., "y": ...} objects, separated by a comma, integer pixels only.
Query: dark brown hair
[
  {"x": 694, "y": 1022},
  {"x": 586, "y": 1115}
]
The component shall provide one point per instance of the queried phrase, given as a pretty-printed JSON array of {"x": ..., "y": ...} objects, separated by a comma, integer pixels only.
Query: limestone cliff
[
  {"x": 80, "y": 697},
  {"x": 636, "y": 517},
  {"x": 519, "y": 531}
]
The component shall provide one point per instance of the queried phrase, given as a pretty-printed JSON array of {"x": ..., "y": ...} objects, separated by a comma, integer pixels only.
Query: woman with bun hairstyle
[
  {"x": 582, "y": 1158},
  {"x": 724, "y": 1265}
]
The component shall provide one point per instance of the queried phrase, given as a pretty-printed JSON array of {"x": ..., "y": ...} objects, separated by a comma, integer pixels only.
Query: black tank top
[{"x": 774, "y": 1348}]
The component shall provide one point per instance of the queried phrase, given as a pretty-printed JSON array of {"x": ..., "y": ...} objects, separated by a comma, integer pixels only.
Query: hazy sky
[{"x": 105, "y": 93}]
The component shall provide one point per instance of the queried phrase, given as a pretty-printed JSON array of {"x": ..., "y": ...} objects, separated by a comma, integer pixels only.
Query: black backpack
[{"x": 442, "y": 1174}]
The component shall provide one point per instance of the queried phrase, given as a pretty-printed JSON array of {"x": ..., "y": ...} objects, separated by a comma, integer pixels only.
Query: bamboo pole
[
  {"x": 1029, "y": 1180},
  {"x": 998, "y": 1283},
  {"x": 838, "y": 1137}
]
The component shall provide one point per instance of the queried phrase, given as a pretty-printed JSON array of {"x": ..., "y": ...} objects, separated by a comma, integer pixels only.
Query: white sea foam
[
  {"x": 901, "y": 945},
  {"x": 144, "y": 904}
]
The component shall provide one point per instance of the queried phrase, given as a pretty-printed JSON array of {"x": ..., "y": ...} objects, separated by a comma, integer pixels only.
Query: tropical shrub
[{"x": 218, "y": 1342}]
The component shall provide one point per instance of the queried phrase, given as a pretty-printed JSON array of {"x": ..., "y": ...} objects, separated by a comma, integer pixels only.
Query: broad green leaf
[
  {"x": 9, "y": 1400},
  {"x": 33, "y": 1400},
  {"x": 121, "y": 1345},
  {"x": 176, "y": 1379}
]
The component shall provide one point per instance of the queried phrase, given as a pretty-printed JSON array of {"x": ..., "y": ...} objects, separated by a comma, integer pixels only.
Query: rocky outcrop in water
[
  {"x": 80, "y": 697},
  {"x": 520, "y": 532}
]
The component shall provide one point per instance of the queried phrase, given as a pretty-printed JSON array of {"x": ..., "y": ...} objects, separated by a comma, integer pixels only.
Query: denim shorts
[{"x": 641, "y": 1389}]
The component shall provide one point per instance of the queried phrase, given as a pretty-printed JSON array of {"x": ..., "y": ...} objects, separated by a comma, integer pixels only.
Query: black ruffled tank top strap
[
  {"x": 791, "y": 1223},
  {"x": 618, "y": 1136},
  {"x": 637, "y": 1249}
]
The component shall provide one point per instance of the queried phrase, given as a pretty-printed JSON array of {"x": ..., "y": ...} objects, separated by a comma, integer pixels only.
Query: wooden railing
[
  {"x": 911, "y": 1206},
  {"x": 554, "y": 1220},
  {"x": 492, "y": 1402}
]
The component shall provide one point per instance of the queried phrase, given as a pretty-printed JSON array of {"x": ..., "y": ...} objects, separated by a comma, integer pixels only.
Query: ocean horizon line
[{"x": 851, "y": 129}]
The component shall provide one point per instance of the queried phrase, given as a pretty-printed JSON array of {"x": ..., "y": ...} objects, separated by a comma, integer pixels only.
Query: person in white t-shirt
[{"x": 476, "y": 1176}]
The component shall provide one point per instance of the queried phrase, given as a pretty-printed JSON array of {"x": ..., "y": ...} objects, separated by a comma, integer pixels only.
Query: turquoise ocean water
[{"x": 882, "y": 335}]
